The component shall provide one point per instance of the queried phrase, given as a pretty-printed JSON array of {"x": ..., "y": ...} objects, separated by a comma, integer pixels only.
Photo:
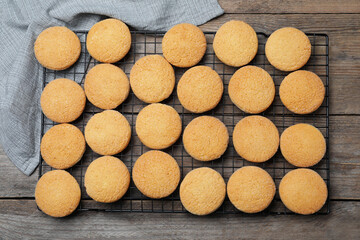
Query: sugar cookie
[
  {"x": 251, "y": 189},
  {"x": 63, "y": 100},
  {"x": 156, "y": 174},
  {"x": 205, "y": 138},
  {"x": 106, "y": 86},
  {"x": 235, "y": 43},
  {"x": 184, "y": 45},
  {"x": 57, "y": 48},
  {"x": 108, "y": 132},
  {"x": 62, "y": 146},
  {"x": 152, "y": 79},
  {"x": 256, "y": 138},
  {"x": 302, "y": 145},
  {"x": 108, "y": 40},
  {"x": 200, "y": 89},
  {"x": 251, "y": 89},
  {"x": 107, "y": 179},
  {"x": 303, "y": 191},
  {"x": 57, "y": 193},
  {"x": 302, "y": 92},
  {"x": 288, "y": 49},
  {"x": 202, "y": 191},
  {"x": 158, "y": 126}
]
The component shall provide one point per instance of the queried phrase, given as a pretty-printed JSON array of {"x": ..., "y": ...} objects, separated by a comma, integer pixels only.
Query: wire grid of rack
[{"x": 145, "y": 43}]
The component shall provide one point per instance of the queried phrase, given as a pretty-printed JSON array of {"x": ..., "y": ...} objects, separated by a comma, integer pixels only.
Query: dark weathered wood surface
[
  {"x": 289, "y": 6},
  {"x": 19, "y": 217}
]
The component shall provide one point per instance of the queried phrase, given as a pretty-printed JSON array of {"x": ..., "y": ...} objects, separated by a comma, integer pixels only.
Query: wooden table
[{"x": 19, "y": 217}]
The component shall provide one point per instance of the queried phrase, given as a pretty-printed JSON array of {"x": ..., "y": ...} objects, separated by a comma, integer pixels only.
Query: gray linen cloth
[{"x": 20, "y": 75}]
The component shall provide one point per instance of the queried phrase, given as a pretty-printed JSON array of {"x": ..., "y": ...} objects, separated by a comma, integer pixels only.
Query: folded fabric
[{"x": 21, "y": 78}]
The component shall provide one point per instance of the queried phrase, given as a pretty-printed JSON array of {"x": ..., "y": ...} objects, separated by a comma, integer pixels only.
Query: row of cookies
[
  {"x": 156, "y": 174},
  {"x": 200, "y": 89},
  {"x": 205, "y": 138},
  {"x": 184, "y": 45}
]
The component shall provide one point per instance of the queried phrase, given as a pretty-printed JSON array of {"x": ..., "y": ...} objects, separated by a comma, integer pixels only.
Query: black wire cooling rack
[{"x": 145, "y": 43}]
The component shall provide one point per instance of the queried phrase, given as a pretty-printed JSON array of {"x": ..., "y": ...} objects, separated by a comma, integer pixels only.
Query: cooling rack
[{"x": 145, "y": 43}]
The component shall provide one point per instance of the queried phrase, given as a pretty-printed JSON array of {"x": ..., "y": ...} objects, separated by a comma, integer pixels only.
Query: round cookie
[
  {"x": 57, "y": 193},
  {"x": 57, "y": 48},
  {"x": 62, "y": 146},
  {"x": 303, "y": 191},
  {"x": 184, "y": 45},
  {"x": 256, "y": 138},
  {"x": 156, "y": 174},
  {"x": 302, "y": 92},
  {"x": 235, "y": 43},
  {"x": 202, "y": 191},
  {"x": 108, "y": 132},
  {"x": 106, "y": 86},
  {"x": 158, "y": 126},
  {"x": 108, "y": 40},
  {"x": 288, "y": 49},
  {"x": 251, "y": 89},
  {"x": 205, "y": 138},
  {"x": 302, "y": 145},
  {"x": 200, "y": 89},
  {"x": 107, "y": 179},
  {"x": 251, "y": 189},
  {"x": 152, "y": 79},
  {"x": 62, "y": 100}
]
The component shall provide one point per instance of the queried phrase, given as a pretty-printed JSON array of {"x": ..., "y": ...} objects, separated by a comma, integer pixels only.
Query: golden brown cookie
[
  {"x": 184, "y": 45},
  {"x": 156, "y": 174},
  {"x": 202, "y": 191},
  {"x": 158, "y": 126},
  {"x": 57, "y": 193},
  {"x": 205, "y": 138},
  {"x": 303, "y": 191},
  {"x": 251, "y": 89},
  {"x": 108, "y": 132},
  {"x": 57, "y": 48},
  {"x": 302, "y": 145},
  {"x": 251, "y": 189},
  {"x": 302, "y": 92},
  {"x": 107, "y": 179},
  {"x": 63, "y": 100},
  {"x": 152, "y": 79},
  {"x": 256, "y": 138},
  {"x": 235, "y": 43},
  {"x": 62, "y": 146},
  {"x": 106, "y": 86},
  {"x": 200, "y": 89},
  {"x": 288, "y": 49},
  {"x": 108, "y": 40}
]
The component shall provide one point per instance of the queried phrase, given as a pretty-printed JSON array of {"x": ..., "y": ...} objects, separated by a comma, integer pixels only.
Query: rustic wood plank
[
  {"x": 344, "y": 34},
  {"x": 344, "y": 164},
  {"x": 288, "y": 6},
  {"x": 21, "y": 219},
  {"x": 14, "y": 183},
  {"x": 344, "y": 157}
]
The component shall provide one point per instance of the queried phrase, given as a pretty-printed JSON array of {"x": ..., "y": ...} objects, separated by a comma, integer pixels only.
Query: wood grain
[
  {"x": 344, "y": 164},
  {"x": 288, "y": 6},
  {"x": 21, "y": 219},
  {"x": 13, "y": 183}
]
